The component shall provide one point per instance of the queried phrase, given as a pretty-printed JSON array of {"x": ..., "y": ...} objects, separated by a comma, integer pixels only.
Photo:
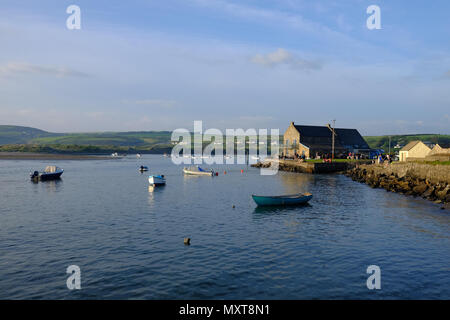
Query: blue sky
[{"x": 160, "y": 65}]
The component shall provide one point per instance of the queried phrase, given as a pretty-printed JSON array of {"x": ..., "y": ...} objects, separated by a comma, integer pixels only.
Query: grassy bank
[{"x": 83, "y": 149}]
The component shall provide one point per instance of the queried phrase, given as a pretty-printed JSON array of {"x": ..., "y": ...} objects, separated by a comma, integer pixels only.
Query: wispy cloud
[
  {"x": 16, "y": 68},
  {"x": 153, "y": 102},
  {"x": 249, "y": 12},
  {"x": 276, "y": 17},
  {"x": 282, "y": 56}
]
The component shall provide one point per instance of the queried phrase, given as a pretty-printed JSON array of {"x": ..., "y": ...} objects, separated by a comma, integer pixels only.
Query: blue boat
[{"x": 293, "y": 199}]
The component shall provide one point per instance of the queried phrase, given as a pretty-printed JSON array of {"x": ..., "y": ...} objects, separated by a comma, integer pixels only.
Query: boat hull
[
  {"x": 198, "y": 173},
  {"x": 282, "y": 200},
  {"x": 156, "y": 181},
  {"x": 47, "y": 176}
]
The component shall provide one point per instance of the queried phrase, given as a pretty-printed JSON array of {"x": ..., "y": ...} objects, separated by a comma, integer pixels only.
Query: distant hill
[
  {"x": 19, "y": 135},
  {"x": 27, "y": 135},
  {"x": 382, "y": 142}
]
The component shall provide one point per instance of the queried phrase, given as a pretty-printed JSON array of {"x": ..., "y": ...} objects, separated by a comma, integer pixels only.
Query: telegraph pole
[
  {"x": 389, "y": 146},
  {"x": 332, "y": 142},
  {"x": 333, "y": 133}
]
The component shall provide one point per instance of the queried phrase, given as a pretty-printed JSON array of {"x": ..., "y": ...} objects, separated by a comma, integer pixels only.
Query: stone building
[
  {"x": 414, "y": 150},
  {"x": 437, "y": 149},
  {"x": 317, "y": 140},
  {"x": 439, "y": 152}
]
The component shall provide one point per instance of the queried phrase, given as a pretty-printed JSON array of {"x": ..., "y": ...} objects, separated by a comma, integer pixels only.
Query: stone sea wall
[
  {"x": 307, "y": 167},
  {"x": 428, "y": 181}
]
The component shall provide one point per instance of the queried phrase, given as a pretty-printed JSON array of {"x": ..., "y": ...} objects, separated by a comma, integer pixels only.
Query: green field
[{"x": 382, "y": 142}]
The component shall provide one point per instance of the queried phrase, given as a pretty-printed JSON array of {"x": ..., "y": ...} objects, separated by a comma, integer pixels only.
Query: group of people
[{"x": 384, "y": 159}]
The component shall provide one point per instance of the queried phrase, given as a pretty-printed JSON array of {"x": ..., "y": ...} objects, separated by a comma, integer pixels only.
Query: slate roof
[{"x": 320, "y": 135}]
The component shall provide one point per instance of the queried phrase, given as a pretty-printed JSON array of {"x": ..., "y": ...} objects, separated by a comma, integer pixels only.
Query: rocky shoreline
[
  {"x": 430, "y": 182},
  {"x": 309, "y": 167}
]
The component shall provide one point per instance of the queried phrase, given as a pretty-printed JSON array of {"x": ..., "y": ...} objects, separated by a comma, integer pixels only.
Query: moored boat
[
  {"x": 157, "y": 180},
  {"x": 284, "y": 200},
  {"x": 50, "y": 173},
  {"x": 198, "y": 171},
  {"x": 143, "y": 168}
]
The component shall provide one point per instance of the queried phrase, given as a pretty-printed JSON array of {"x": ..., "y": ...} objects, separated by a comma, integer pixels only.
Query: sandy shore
[{"x": 50, "y": 156}]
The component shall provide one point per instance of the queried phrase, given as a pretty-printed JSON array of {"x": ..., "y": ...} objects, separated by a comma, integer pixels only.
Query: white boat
[
  {"x": 158, "y": 180},
  {"x": 138, "y": 155},
  {"x": 198, "y": 171}
]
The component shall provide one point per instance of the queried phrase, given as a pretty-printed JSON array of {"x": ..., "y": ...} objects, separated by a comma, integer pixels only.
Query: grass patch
[{"x": 434, "y": 163}]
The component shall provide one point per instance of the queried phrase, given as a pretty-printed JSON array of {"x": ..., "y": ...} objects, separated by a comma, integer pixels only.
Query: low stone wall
[
  {"x": 428, "y": 181},
  {"x": 438, "y": 157},
  {"x": 308, "y": 167}
]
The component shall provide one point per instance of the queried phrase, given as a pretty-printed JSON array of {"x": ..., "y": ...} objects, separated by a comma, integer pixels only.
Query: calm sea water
[{"x": 128, "y": 240}]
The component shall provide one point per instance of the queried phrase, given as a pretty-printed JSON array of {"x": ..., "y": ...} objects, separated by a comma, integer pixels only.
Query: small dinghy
[
  {"x": 157, "y": 180},
  {"x": 143, "y": 168},
  {"x": 50, "y": 173},
  {"x": 198, "y": 171},
  {"x": 293, "y": 199}
]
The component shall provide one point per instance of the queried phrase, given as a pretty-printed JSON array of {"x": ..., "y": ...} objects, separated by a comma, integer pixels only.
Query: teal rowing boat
[{"x": 293, "y": 199}]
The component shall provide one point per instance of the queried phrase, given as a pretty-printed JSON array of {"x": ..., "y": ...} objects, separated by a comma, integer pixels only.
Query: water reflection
[
  {"x": 51, "y": 186},
  {"x": 152, "y": 194},
  {"x": 296, "y": 183},
  {"x": 271, "y": 210}
]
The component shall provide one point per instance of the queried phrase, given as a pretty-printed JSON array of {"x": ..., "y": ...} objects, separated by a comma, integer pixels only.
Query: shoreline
[
  {"x": 430, "y": 182},
  {"x": 51, "y": 156}
]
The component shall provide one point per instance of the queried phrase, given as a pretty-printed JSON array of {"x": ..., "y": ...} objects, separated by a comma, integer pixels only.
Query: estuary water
[{"x": 127, "y": 238}]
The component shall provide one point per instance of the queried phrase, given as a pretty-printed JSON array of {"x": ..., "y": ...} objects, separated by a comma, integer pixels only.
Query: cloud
[
  {"x": 257, "y": 13},
  {"x": 16, "y": 68},
  {"x": 154, "y": 102},
  {"x": 282, "y": 56},
  {"x": 278, "y": 18}
]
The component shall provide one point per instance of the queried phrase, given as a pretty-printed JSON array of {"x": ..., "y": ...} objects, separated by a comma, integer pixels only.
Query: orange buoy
[{"x": 242, "y": 170}]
